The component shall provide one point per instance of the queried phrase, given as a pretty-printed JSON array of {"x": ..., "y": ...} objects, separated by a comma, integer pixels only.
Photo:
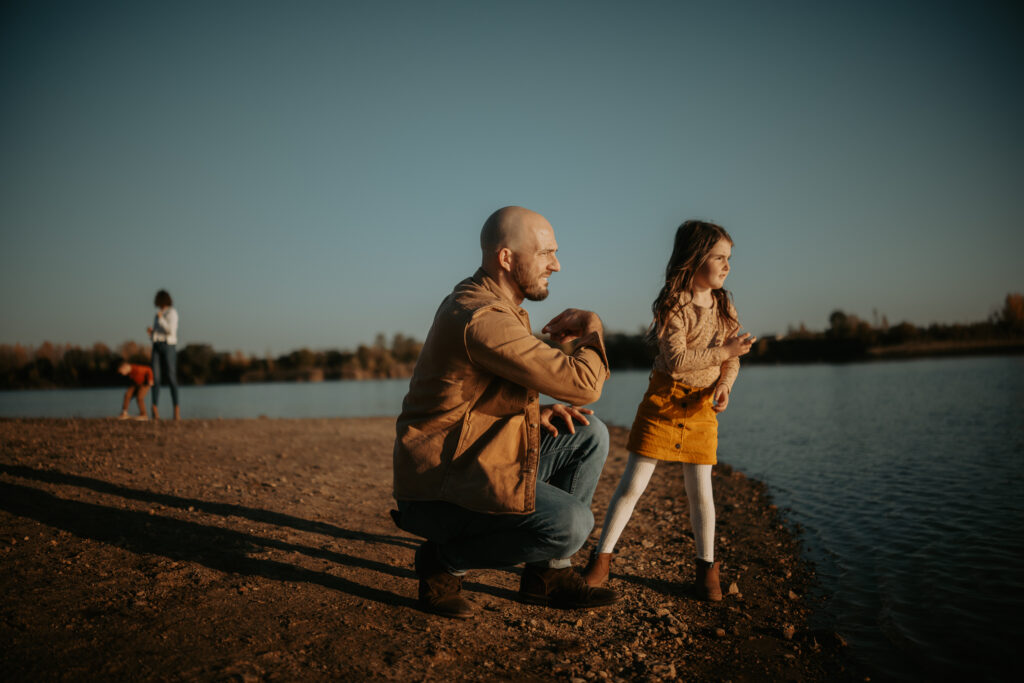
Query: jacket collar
[{"x": 491, "y": 285}]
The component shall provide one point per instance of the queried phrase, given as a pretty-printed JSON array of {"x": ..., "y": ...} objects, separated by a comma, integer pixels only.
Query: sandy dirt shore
[{"x": 252, "y": 550}]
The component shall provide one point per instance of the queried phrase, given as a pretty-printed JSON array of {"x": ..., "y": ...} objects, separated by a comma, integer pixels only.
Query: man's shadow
[
  {"x": 214, "y": 547},
  {"x": 222, "y": 509}
]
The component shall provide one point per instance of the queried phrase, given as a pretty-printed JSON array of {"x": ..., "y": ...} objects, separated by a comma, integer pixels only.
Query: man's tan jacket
[{"x": 469, "y": 432}]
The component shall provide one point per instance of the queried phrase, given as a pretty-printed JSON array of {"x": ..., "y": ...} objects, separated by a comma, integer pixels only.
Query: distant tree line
[
  {"x": 848, "y": 338},
  {"x": 53, "y": 365}
]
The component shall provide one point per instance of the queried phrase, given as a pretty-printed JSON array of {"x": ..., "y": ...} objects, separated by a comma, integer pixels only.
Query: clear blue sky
[{"x": 313, "y": 173}]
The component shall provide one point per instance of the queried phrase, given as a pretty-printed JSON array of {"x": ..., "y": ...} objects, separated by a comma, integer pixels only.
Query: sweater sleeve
[{"x": 731, "y": 367}]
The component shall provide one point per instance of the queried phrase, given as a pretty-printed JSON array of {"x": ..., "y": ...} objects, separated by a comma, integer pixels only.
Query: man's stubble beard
[{"x": 533, "y": 291}]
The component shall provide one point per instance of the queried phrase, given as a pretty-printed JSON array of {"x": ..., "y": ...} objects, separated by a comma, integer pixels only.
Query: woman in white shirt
[{"x": 164, "y": 335}]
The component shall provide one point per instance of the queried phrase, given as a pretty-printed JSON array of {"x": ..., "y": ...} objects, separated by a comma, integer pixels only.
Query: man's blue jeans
[{"x": 567, "y": 475}]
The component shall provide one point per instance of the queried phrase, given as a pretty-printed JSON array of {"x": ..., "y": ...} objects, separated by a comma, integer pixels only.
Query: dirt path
[{"x": 262, "y": 550}]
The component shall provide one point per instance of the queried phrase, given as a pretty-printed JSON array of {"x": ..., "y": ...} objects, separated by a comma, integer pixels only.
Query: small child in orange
[{"x": 142, "y": 379}]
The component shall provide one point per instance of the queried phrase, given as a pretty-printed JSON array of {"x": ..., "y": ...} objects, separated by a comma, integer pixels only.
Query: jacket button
[
  {"x": 680, "y": 425},
  {"x": 679, "y": 445},
  {"x": 533, "y": 425}
]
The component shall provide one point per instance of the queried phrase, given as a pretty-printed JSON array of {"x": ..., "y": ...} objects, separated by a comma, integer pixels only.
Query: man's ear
[{"x": 505, "y": 258}]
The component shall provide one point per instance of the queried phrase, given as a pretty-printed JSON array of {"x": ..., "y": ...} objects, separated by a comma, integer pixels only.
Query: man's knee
[
  {"x": 592, "y": 449},
  {"x": 581, "y": 523},
  {"x": 588, "y": 440},
  {"x": 599, "y": 437},
  {"x": 568, "y": 531}
]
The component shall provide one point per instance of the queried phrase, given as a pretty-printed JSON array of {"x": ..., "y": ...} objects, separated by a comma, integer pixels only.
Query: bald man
[{"x": 486, "y": 474}]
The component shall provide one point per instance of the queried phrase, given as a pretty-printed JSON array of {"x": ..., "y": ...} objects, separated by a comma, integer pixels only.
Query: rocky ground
[{"x": 256, "y": 550}]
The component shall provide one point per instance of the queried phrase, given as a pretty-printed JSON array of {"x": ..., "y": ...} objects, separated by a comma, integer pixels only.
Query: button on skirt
[{"x": 675, "y": 422}]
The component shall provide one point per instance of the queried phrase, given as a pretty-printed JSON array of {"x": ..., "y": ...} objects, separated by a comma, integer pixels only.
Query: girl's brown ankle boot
[
  {"x": 598, "y": 567},
  {"x": 706, "y": 585}
]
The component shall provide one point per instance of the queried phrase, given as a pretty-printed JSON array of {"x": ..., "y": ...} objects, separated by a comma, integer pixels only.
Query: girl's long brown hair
[{"x": 694, "y": 241}]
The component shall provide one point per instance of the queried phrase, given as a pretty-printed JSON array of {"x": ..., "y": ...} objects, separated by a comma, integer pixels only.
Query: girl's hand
[
  {"x": 721, "y": 398},
  {"x": 739, "y": 345},
  {"x": 149, "y": 331},
  {"x": 567, "y": 413}
]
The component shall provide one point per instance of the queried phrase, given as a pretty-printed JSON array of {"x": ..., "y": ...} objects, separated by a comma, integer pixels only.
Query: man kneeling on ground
[{"x": 485, "y": 473}]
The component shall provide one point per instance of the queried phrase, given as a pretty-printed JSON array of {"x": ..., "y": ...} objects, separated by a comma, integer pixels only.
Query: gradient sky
[{"x": 313, "y": 173}]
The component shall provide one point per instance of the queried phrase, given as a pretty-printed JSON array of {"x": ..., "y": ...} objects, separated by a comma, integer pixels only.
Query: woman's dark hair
[
  {"x": 694, "y": 241},
  {"x": 162, "y": 299}
]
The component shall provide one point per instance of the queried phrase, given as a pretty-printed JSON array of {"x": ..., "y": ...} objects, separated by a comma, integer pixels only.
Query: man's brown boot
[
  {"x": 598, "y": 568},
  {"x": 563, "y": 588},
  {"x": 706, "y": 585},
  {"x": 177, "y": 412},
  {"x": 439, "y": 590}
]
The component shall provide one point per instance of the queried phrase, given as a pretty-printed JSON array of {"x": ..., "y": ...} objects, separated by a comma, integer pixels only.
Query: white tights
[{"x": 634, "y": 480}]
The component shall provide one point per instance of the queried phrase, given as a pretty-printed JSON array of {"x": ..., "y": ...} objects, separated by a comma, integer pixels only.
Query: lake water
[{"x": 903, "y": 475}]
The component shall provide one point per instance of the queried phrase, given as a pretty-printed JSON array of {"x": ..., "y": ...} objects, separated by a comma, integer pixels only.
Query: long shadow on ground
[
  {"x": 223, "y": 509},
  {"x": 214, "y": 547}
]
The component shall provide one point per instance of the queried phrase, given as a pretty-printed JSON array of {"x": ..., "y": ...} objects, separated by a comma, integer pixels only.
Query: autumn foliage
[{"x": 50, "y": 365}]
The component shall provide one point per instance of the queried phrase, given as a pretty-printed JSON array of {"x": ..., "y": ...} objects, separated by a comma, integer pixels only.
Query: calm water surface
[{"x": 905, "y": 477}]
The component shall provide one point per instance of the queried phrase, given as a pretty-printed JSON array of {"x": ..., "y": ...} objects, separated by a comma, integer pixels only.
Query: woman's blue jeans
[
  {"x": 165, "y": 363},
  {"x": 567, "y": 475}
]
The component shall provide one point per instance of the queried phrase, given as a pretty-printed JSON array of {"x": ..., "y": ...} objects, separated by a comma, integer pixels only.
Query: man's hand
[
  {"x": 572, "y": 323},
  {"x": 567, "y": 413},
  {"x": 721, "y": 400}
]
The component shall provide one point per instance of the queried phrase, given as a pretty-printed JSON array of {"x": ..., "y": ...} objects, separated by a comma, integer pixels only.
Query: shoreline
[
  {"x": 256, "y": 549},
  {"x": 816, "y": 355}
]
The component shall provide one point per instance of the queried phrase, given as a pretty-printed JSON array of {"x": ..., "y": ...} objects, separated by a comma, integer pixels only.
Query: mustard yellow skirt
[{"x": 675, "y": 422}]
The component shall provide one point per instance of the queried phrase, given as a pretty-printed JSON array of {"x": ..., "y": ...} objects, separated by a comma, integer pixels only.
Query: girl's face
[{"x": 712, "y": 273}]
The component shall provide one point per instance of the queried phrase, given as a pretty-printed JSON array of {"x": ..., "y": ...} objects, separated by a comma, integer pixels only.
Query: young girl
[{"x": 695, "y": 329}]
